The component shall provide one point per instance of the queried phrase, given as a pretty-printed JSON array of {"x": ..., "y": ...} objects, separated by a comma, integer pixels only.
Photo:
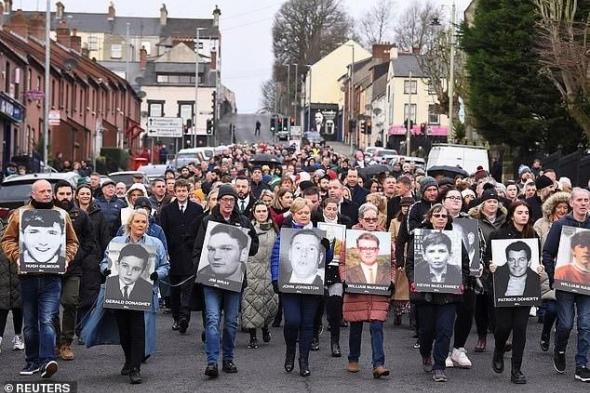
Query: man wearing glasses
[{"x": 369, "y": 271}]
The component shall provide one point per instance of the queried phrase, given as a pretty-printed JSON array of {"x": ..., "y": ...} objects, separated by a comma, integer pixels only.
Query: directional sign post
[{"x": 164, "y": 127}]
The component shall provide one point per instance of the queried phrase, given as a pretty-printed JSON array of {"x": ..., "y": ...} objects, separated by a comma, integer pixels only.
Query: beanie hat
[
  {"x": 489, "y": 194},
  {"x": 227, "y": 189},
  {"x": 428, "y": 181},
  {"x": 143, "y": 202},
  {"x": 522, "y": 169},
  {"x": 543, "y": 182},
  {"x": 305, "y": 184}
]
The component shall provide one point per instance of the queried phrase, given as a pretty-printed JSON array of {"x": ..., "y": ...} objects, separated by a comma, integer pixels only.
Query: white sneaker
[
  {"x": 449, "y": 362},
  {"x": 460, "y": 359},
  {"x": 17, "y": 343}
]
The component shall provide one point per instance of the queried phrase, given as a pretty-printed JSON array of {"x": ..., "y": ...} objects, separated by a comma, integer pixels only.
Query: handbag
[{"x": 402, "y": 286}]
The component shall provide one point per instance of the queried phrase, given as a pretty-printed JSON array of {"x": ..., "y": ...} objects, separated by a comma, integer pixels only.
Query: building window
[
  {"x": 7, "y": 78},
  {"x": 433, "y": 117},
  {"x": 156, "y": 108},
  {"x": 185, "y": 111},
  {"x": 179, "y": 79},
  {"x": 116, "y": 51},
  {"x": 410, "y": 112},
  {"x": 92, "y": 42},
  {"x": 410, "y": 87}
]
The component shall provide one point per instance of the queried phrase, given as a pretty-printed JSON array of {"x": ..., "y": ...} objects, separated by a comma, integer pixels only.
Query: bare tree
[
  {"x": 413, "y": 27},
  {"x": 272, "y": 96},
  {"x": 377, "y": 24},
  {"x": 564, "y": 51}
]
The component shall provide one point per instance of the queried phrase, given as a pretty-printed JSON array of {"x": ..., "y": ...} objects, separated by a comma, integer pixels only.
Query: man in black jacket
[
  {"x": 180, "y": 220},
  {"x": 88, "y": 251},
  {"x": 359, "y": 194},
  {"x": 216, "y": 299},
  {"x": 257, "y": 185},
  {"x": 245, "y": 198},
  {"x": 345, "y": 207},
  {"x": 545, "y": 187}
]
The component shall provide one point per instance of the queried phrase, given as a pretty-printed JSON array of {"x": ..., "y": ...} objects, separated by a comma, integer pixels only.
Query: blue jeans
[
  {"x": 40, "y": 302},
  {"x": 436, "y": 324},
  {"x": 299, "y": 311},
  {"x": 354, "y": 342},
  {"x": 215, "y": 300},
  {"x": 565, "y": 323}
]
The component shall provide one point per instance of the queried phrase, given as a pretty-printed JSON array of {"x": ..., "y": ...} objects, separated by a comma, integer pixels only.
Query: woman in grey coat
[
  {"x": 10, "y": 299},
  {"x": 259, "y": 302}
]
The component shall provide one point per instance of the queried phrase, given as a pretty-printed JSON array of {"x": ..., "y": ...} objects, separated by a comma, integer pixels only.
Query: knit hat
[
  {"x": 428, "y": 181},
  {"x": 543, "y": 182},
  {"x": 406, "y": 201},
  {"x": 522, "y": 169},
  {"x": 143, "y": 202},
  {"x": 489, "y": 194},
  {"x": 227, "y": 189},
  {"x": 305, "y": 185}
]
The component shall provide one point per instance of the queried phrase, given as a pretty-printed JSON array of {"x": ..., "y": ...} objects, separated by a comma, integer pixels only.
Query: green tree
[{"x": 511, "y": 102}]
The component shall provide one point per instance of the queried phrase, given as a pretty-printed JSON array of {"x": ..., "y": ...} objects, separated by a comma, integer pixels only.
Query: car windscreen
[
  {"x": 15, "y": 192},
  {"x": 125, "y": 178}
]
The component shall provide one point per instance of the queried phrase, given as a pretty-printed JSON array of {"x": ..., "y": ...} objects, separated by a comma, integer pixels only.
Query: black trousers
[
  {"x": 17, "y": 320},
  {"x": 515, "y": 320},
  {"x": 464, "y": 318},
  {"x": 180, "y": 297},
  {"x": 132, "y": 335},
  {"x": 334, "y": 315},
  {"x": 484, "y": 314},
  {"x": 319, "y": 316}
]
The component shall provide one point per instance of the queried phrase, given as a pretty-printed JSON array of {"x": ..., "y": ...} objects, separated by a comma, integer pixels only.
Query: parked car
[
  {"x": 127, "y": 177},
  {"x": 310, "y": 137},
  {"x": 193, "y": 154},
  {"x": 283, "y": 135},
  {"x": 15, "y": 190},
  {"x": 153, "y": 171},
  {"x": 384, "y": 154},
  {"x": 416, "y": 161},
  {"x": 466, "y": 157}
]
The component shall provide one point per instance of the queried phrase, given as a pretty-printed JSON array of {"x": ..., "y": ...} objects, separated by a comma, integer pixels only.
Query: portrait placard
[
  {"x": 42, "y": 241},
  {"x": 368, "y": 262},
  {"x": 469, "y": 230},
  {"x": 572, "y": 266},
  {"x": 223, "y": 260},
  {"x": 129, "y": 286},
  {"x": 302, "y": 261},
  {"x": 516, "y": 281},
  {"x": 336, "y": 234},
  {"x": 437, "y": 261}
]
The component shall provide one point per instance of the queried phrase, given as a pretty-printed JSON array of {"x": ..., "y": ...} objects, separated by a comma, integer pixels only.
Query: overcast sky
[{"x": 245, "y": 27}]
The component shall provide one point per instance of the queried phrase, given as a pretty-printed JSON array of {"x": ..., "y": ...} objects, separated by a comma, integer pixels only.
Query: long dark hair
[{"x": 528, "y": 231}]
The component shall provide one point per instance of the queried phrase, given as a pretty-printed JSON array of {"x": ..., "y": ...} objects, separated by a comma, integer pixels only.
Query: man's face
[
  {"x": 518, "y": 263},
  {"x": 42, "y": 243},
  {"x": 94, "y": 181},
  {"x": 368, "y": 250},
  {"x": 159, "y": 189},
  {"x": 315, "y": 201},
  {"x": 257, "y": 175},
  {"x": 437, "y": 256},
  {"x": 352, "y": 178},
  {"x": 304, "y": 255},
  {"x": 138, "y": 179},
  {"x": 133, "y": 195},
  {"x": 243, "y": 188},
  {"x": 401, "y": 188},
  {"x": 226, "y": 204},
  {"x": 223, "y": 254},
  {"x": 130, "y": 268},
  {"x": 335, "y": 190},
  {"x": 547, "y": 191},
  {"x": 324, "y": 184},
  {"x": 41, "y": 191},
  {"x": 120, "y": 189},
  {"x": 579, "y": 203},
  {"x": 581, "y": 255},
  {"x": 389, "y": 186},
  {"x": 181, "y": 194},
  {"x": 109, "y": 190},
  {"x": 185, "y": 172},
  {"x": 430, "y": 194},
  {"x": 64, "y": 194},
  {"x": 170, "y": 186}
]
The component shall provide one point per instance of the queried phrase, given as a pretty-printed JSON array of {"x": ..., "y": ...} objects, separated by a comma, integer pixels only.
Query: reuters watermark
[{"x": 40, "y": 387}]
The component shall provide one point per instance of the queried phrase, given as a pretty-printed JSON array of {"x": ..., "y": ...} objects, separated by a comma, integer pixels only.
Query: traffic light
[
  {"x": 209, "y": 127},
  {"x": 273, "y": 124},
  {"x": 423, "y": 128},
  {"x": 351, "y": 125},
  {"x": 286, "y": 123},
  {"x": 214, "y": 102},
  {"x": 406, "y": 123},
  {"x": 292, "y": 121},
  {"x": 188, "y": 126},
  {"x": 280, "y": 124},
  {"x": 369, "y": 128},
  {"x": 363, "y": 127}
]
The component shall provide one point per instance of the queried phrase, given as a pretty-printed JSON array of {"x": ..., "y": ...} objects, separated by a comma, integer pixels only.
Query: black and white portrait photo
[
  {"x": 572, "y": 267},
  {"x": 437, "y": 261},
  {"x": 222, "y": 264},
  {"x": 516, "y": 281},
  {"x": 368, "y": 262},
  {"x": 469, "y": 230},
  {"x": 42, "y": 241},
  {"x": 302, "y": 261},
  {"x": 129, "y": 286}
]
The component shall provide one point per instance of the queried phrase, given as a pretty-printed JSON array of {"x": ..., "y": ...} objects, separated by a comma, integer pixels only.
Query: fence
[{"x": 575, "y": 166}]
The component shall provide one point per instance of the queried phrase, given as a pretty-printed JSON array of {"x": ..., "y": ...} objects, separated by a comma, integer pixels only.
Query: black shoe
[
  {"x": 266, "y": 335},
  {"x": 336, "y": 353},
  {"x": 182, "y": 325},
  {"x": 134, "y": 376},
  {"x": 315, "y": 344},
  {"x": 508, "y": 347},
  {"x": 253, "y": 344},
  {"x": 559, "y": 362},
  {"x": 343, "y": 324},
  {"x": 582, "y": 374},
  {"x": 304, "y": 368},
  {"x": 517, "y": 377},
  {"x": 498, "y": 362},
  {"x": 126, "y": 369},
  {"x": 229, "y": 367},
  {"x": 175, "y": 326},
  {"x": 145, "y": 358},
  {"x": 80, "y": 341},
  {"x": 290, "y": 360},
  {"x": 211, "y": 371},
  {"x": 544, "y": 344},
  {"x": 276, "y": 323},
  {"x": 203, "y": 336},
  {"x": 49, "y": 369},
  {"x": 30, "y": 369}
]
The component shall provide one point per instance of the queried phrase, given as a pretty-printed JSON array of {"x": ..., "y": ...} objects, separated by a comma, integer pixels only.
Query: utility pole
[
  {"x": 309, "y": 107},
  {"x": 127, "y": 52},
  {"x": 350, "y": 113},
  {"x": 47, "y": 92},
  {"x": 195, "y": 116},
  {"x": 295, "y": 95},
  {"x": 451, "y": 88},
  {"x": 409, "y": 117},
  {"x": 288, "y": 86}
]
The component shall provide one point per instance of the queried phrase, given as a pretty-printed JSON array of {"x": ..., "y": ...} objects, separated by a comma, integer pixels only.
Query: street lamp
[
  {"x": 197, "y": 61},
  {"x": 309, "y": 103},
  {"x": 351, "y": 101}
]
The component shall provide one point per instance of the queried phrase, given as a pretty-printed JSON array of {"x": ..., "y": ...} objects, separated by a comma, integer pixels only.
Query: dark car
[
  {"x": 283, "y": 135},
  {"x": 310, "y": 137},
  {"x": 15, "y": 190}
]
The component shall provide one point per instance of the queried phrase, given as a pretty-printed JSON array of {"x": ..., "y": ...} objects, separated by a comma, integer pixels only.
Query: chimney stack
[
  {"x": 18, "y": 24},
  {"x": 142, "y": 58},
  {"x": 37, "y": 26},
  {"x": 216, "y": 14},
  {"x": 381, "y": 51},
  {"x": 163, "y": 15},
  {"x": 60, "y": 10},
  {"x": 63, "y": 34},
  {"x": 111, "y": 14},
  {"x": 76, "y": 41}
]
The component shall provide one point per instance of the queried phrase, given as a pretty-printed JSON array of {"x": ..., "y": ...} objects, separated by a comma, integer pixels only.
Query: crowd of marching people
[{"x": 310, "y": 186}]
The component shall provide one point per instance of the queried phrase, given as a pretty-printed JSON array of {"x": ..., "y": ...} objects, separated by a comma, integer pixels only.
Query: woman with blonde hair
[{"x": 267, "y": 196}]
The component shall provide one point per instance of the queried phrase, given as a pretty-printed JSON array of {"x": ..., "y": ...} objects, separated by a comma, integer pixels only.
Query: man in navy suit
[{"x": 180, "y": 221}]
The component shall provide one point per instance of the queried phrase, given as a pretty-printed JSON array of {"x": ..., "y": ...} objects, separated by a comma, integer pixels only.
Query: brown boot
[
  {"x": 66, "y": 352},
  {"x": 380, "y": 371},
  {"x": 353, "y": 367}
]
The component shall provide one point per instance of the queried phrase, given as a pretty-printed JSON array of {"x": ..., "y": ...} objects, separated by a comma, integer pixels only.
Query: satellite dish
[
  {"x": 141, "y": 94},
  {"x": 139, "y": 80},
  {"x": 70, "y": 64}
]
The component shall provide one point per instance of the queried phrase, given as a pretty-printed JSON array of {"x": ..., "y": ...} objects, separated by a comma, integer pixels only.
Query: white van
[
  {"x": 467, "y": 157},
  {"x": 193, "y": 154}
]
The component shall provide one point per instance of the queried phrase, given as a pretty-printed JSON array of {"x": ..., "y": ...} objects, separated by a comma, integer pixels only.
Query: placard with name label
[
  {"x": 572, "y": 266},
  {"x": 42, "y": 241},
  {"x": 368, "y": 262},
  {"x": 437, "y": 261}
]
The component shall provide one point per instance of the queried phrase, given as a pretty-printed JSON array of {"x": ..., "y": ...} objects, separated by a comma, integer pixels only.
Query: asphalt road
[
  {"x": 245, "y": 124},
  {"x": 180, "y": 362}
]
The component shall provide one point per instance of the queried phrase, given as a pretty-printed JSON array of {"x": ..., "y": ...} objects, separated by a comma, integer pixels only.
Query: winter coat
[
  {"x": 87, "y": 252},
  {"x": 9, "y": 283},
  {"x": 259, "y": 302},
  {"x": 126, "y": 212},
  {"x": 112, "y": 212},
  {"x": 543, "y": 224},
  {"x": 433, "y": 297}
]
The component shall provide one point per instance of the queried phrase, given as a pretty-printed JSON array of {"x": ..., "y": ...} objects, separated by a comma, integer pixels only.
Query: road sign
[
  {"x": 35, "y": 94},
  {"x": 164, "y": 127},
  {"x": 54, "y": 118},
  {"x": 296, "y": 131}
]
